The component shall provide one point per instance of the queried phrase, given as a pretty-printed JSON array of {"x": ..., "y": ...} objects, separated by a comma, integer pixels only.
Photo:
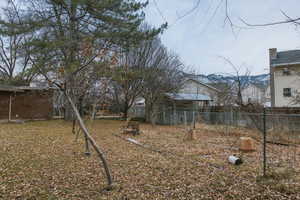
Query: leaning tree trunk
[{"x": 91, "y": 140}]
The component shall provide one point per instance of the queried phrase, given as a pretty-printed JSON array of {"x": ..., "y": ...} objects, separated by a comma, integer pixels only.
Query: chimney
[
  {"x": 273, "y": 56},
  {"x": 273, "y": 53}
]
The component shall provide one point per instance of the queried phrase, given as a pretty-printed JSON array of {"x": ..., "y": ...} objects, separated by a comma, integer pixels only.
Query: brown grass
[{"x": 41, "y": 160}]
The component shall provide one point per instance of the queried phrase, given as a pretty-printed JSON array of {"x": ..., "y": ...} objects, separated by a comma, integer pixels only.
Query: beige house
[
  {"x": 256, "y": 93},
  {"x": 206, "y": 94},
  {"x": 180, "y": 107},
  {"x": 284, "y": 77}
]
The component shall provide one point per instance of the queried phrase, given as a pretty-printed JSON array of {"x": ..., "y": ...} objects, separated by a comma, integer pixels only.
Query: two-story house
[{"x": 284, "y": 77}]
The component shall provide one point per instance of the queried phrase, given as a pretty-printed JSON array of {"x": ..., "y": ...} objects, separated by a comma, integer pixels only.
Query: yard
[{"x": 42, "y": 160}]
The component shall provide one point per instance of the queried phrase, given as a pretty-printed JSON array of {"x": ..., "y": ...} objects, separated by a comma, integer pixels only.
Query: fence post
[
  {"x": 264, "y": 143},
  {"x": 194, "y": 121},
  {"x": 231, "y": 117},
  {"x": 9, "y": 109},
  {"x": 185, "y": 119}
]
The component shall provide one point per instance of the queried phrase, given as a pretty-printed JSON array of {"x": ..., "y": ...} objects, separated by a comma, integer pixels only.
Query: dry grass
[{"x": 41, "y": 160}]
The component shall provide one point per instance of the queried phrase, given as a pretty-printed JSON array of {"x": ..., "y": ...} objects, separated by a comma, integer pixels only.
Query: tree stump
[
  {"x": 131, "y": 128},
  {"x": 198, "y": 125},
  {"x": 189, "y": 135},
  {"x": 247, "y": 144}
]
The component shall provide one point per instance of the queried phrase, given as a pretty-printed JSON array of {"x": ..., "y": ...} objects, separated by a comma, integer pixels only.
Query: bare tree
[
  {"x": 15, "y": 66},
  {"x": 127, "y": 82},
  {"x": 150, "y": 72},
  {"x": 240, "y": 82},
  {"x": 162, "y": 74}
]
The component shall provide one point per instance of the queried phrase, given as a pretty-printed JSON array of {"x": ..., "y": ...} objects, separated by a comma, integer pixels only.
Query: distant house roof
[
  {"x": 286, "y": 58},
  {"x": 188, "y": 97},
  {"x": 200, "y": 82},
  {"x": 199, "y": 77}
]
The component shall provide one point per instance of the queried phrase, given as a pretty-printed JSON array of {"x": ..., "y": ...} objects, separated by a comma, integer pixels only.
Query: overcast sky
[{"x": 201, "y": 40}]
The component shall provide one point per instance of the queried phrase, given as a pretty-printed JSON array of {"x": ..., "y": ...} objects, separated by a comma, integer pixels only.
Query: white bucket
[{"x": 235, "y": 160}]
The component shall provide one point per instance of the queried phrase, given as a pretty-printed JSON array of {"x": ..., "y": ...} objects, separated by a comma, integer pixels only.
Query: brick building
[{"x": 25, "y": 102}]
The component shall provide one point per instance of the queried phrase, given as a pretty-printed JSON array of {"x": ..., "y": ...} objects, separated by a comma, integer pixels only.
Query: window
[{"x": 287, "y": 92}]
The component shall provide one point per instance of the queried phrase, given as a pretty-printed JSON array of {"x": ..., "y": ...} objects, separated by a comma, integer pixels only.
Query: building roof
[
  {"x": 188, "y": 97},
  {"x": 201, "y": 83},
  {"x": 8, "y": 88},
  {"x": 200, "y": 79},
  {"x": 33, "y": 88},
  {"x": 286, "y": 58}
]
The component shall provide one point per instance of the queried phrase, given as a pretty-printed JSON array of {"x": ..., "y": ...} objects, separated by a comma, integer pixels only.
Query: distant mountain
[{"x": 262, "y": 79}]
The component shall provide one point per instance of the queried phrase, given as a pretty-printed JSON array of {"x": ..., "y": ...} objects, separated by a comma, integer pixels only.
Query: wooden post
[
  {"x": 9, "y": 109},
  {"x": 264, "y": 143},
  {"x": 194, "y": 120}
]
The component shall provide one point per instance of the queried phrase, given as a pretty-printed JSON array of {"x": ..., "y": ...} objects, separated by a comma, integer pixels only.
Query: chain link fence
[{"x": 277, "y": 135}]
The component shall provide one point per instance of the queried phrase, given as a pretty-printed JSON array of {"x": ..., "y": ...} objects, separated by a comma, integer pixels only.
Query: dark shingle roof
[
  {"x": 286, "y": 57},
  {"x": 8, "y": 88}
]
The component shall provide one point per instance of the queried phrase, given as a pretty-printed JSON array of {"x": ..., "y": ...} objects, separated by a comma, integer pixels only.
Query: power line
[
  {"x": 159, "y": 11},
  {"x": 187, "y": 13},
  {"x": 179, "y": 17}
]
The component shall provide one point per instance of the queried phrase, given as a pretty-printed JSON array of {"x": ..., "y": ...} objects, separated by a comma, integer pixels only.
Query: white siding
[
  {"x": 254, "y": 94},
  {"x": 192, "y": 87},
  {"x": 286, "y": 81}
]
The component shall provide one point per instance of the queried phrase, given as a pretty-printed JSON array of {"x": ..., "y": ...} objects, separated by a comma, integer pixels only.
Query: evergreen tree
[{"x": 69, "y": 35}]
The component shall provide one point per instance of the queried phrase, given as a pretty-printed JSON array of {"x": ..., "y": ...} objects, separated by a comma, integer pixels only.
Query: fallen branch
[
  {"x": 140, "y": 144},
  {"x": 279, "y": 143}
]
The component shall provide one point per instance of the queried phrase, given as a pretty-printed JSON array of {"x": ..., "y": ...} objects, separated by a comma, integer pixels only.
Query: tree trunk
[
  {"x": 150, "y": 112},
  {"x": 147, "y": 111},
  {"x": 125, "y": 110},
  {"x": 91, "y": 140},
  {"x": 68, "y": 115},
  {"x": 94, "y": 110},
  {"x": 153, "y": 117}
]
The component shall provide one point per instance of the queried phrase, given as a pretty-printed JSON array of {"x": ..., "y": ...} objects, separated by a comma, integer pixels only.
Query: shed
[
  {"x": 179, "y": 108},
  {"x": 24, "y": 102}
]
